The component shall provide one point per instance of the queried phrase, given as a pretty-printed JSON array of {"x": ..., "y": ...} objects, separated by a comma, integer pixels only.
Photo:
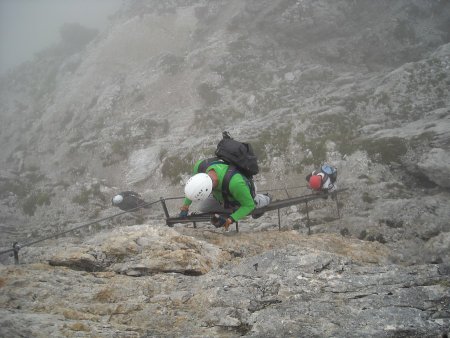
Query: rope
[
  {"x": 290, "y": 188},
  {"x": 173, "y": 198},
  {"x": 16, "y": 246},
  {"x": 85, "y": 225}
]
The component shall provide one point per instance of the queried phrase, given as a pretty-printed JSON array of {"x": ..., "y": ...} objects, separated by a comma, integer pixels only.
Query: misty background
[
  {"x": 29, "y": 26},
  {"x": 133, "y": 101}
]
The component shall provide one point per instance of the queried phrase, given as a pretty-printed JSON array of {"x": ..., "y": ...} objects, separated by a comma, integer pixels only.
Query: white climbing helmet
[
  {"x": 198, "y": 187},
  {"x": 117, "y": 199}
]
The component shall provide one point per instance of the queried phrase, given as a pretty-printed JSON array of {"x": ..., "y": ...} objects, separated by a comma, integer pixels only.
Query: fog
[{"x": 28, "y": 26}]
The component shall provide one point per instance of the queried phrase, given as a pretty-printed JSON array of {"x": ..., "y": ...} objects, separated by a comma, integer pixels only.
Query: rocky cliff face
[
  {"x": 153, "y": 281},
  {"x": 362, "y": 85}
]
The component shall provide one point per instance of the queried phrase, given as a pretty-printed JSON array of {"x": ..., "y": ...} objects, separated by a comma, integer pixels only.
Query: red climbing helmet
[{"x": 315, "y": 182}]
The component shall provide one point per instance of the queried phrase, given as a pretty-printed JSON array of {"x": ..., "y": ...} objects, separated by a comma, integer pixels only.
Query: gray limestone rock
[{"x": 357, "y": 84}]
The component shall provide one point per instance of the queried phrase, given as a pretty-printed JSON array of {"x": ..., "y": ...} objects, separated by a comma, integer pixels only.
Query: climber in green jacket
[{"x": 222, "y": 188}]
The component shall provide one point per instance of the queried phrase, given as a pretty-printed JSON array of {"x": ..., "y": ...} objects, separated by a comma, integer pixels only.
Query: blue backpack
[{"x": 330, "y": 171}]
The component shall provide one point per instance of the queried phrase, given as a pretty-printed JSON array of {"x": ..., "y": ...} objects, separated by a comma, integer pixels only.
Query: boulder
[{"x": 435, "y": 166}]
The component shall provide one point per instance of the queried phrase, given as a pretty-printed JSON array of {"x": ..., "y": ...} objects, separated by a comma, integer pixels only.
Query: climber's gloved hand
[
  {"x": 184, "y": 211},
  {"x": 220, "y": 221}
]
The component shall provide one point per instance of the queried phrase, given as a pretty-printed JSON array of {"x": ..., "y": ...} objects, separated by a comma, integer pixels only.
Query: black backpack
[
  {"x": 239, "y": 154},
  {"x": 240, "y": 159}
]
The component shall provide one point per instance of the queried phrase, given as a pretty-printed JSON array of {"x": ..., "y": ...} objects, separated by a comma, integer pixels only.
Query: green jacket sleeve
[
  {"x": 186, "y": 200},
  {"x": 241, "y": 193}
]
